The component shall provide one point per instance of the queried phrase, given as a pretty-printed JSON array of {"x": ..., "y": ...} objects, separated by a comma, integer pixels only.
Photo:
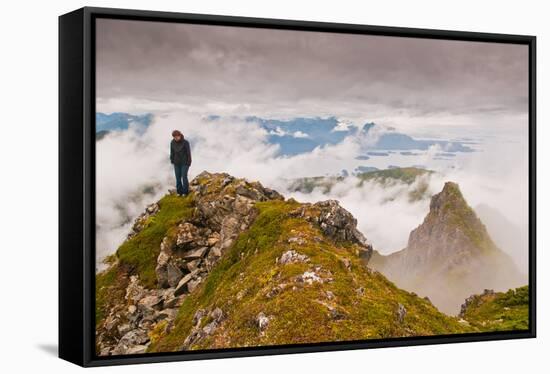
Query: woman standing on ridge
[{"x": 180, "y": 157}]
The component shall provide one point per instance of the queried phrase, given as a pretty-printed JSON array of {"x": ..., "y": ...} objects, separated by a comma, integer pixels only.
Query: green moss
[
  {"x": 158, "y": 331},
  {"x": 139, "y": 254},
  {"x": 300, "y": 313},
  {"x": 110, "y": 288},
  {"x": 110, "y": 260},
  {"x": 500, "y": 311}
]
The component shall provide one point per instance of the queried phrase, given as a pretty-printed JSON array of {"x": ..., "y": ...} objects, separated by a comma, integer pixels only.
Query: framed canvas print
[{"x": 236, "y": 186}]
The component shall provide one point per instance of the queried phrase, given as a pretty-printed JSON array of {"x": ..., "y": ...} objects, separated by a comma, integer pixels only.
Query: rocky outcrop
[
  {"x": 224, "y": 207},
  {"x": 401, "y": 312},
  {"x": 497, "y": 311},
  {"x": 201, "y": 330},
  {"x": 474, "y": 299},
  {"x": 336, "y": 223},
  {"x": 141, "y": 221},
  {"x": 126, "y": 329},
  {"x": 292, "y": 256}
]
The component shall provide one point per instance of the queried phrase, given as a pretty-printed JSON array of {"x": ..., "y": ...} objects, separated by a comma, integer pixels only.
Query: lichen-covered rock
[
  {"x": 182, "y": 285},
  {"x": 132, "y": 341},
  {"x": 292, "y": 257},
  {"x": 401, "y": 312},
  {"x": 263, "y": 321},
  {"x": 199, "y": 332},
  {"x": 336, "y": 223},
  {"x": 309, "y": 277}
]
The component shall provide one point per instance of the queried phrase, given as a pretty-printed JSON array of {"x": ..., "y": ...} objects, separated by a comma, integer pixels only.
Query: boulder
[
  {"x": 292, "y": 257},
  {"x": 186, "y": 236},
  {"x": 217, "y": 314},
  {"x": 340, "y": 225},
  {"x": 130, "y": 340},
  {"x": 152, "y": 208},
  {"x": 347, "y": 263},
  {"x": 195, "y": 254},
  {"x": 263, "y": 321},
  {"x": 197, "y": 333},
  {"x": 174, "y": 275},
  {"x": 166, "y": 314},
  {"x": 193, "y": 284},
  {"x": 181, "y": 288},
  {"x": 137, "y": 349},
  {"x": 198, "y": 316},
  {"x": 309, "y": 277},
  {"x": 134, "y": 291},
  {"x": 213, "y": 239},
  {"x": 296, "y": 239},
  {"x": 193, "y": 265},
  {"x": 161, "y": 269},
  {"x": 401, "y": 312}
]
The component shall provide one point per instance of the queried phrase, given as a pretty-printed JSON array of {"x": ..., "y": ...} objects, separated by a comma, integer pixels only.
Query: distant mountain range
[
  {"x": 304, "y": 134},
  {"x": 299, "y": 135},
  {"x": 106, "y": 123}
]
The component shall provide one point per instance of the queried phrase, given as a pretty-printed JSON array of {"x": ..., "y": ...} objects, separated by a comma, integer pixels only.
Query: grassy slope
[
  {"x": 140, "y": 252},
  {"x": 239, "y": 283},
  {"x": 501, "y": 311},
  {"x": 138, "y": 255},
  {"x": 110, "y": 288}
]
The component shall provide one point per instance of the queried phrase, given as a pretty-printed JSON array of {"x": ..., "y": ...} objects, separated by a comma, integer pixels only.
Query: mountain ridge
[{"x": 235, "y": 264}]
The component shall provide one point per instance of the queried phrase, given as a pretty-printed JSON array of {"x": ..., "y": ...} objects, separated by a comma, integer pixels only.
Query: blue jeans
[{"x": 182, "y": 184}]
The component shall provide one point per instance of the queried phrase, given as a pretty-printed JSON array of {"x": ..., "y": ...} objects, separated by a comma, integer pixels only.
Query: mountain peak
[
  {"x": 450, "y": 255},
  {"x": 449, "y": 197},
  {"x": 453, "y": 222}
]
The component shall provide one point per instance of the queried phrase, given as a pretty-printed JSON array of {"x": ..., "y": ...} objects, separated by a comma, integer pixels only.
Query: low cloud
[{"x": 133, "y": 170}]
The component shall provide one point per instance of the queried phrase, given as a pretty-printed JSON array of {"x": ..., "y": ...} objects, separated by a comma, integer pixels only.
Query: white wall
[{"x": 28, "y": 146}]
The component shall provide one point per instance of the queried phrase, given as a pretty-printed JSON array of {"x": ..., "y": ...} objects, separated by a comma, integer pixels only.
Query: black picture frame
[{"x": 77, "y": 181}]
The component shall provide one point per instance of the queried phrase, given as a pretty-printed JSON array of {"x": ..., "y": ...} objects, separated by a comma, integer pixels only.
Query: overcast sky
[{"x": 153, "y": 66}]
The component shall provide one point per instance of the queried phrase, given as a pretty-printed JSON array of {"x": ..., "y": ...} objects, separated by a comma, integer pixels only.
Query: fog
[{"x": 134, "y": 170}]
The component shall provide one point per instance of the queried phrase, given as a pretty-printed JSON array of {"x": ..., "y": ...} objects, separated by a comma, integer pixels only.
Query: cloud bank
[{"x": 133, "y": 170}]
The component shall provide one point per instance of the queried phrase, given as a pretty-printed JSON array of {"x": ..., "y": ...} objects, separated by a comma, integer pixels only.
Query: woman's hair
[{"x": 176, "y": 133}]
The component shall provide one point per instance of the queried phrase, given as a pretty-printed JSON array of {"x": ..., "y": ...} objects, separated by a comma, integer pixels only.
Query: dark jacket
[{"x": 180, "y": 152}]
